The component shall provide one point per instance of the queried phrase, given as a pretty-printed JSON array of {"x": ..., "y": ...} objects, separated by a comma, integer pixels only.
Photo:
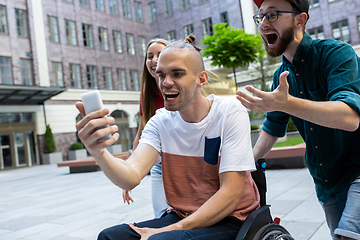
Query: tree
[
  {"x": 232, "y": 48},
  {"x": 50, "y": 146}
]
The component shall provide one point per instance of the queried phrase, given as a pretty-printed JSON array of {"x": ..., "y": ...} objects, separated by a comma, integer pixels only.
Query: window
[
  {"x": 203, "y": 1},
  {"x": 138, "y": 12},
  {"x": 113, "y": 5},
  {"x": 185, "y": 5},
  {"x": 121, "y": 79},
  {"x": 188, "y": 29},
  {"x": 26, "y": 72},
  {"x": 91, "y": 75},
  {"x": 5, "y": 71},
  {"x": 171, "y": 35},
  {"x": 142, "y": 46},
  {"x": 168, "y": 8},
  {"x": 57, "y": 74},
  {"x": 341, "y": 31},
  {"x": 84, "y": 3},
  {"x": 87, "y": 35},
  {"x": 224, "y": 18},
  {"x": 70, "y": 1},
  {"x": 130, "y": 44},
  {"x": 126, "y": 9},
  {"x": 107, "y": 76},
  {"x": 75, "y": 76},
  {"x": 134, "y": 78},
  {"x": 21, "y": 23},
  {"x": 316, "y": 33},
  {"x": 99, "y": 5},
  {"x": 207, "y": 27},
  {"x": 152, "y": 12},
  {"x": 70, "y": 30},
  {"x": 3, "y": 20},
  {"x": 103, "y": 39},
  {"x": 53, "y": 29},
  {"x": 314, "y": 3},
  {"x": 117, "y": 41}
]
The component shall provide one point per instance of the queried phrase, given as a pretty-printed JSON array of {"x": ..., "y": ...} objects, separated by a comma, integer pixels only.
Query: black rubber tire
[{"x": 272, "y": 232}]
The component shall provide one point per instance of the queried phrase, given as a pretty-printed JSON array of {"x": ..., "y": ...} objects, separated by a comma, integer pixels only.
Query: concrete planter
[
  {"x": 52, "y": 158},
  {"x": 77, "y": 154},
  {"x": 254, "y": 136},
  {"x": 115, "y": 149}
]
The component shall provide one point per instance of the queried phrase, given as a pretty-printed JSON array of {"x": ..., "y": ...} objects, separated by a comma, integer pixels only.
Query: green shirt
[{"x": 323, "y": 70}]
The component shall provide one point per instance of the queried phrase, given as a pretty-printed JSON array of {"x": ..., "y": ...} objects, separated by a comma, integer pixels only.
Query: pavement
[{"x": 46, "y": 202}]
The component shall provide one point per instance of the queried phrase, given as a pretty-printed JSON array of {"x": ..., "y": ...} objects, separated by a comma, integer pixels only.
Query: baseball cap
[{"x": 302, "y": 5}]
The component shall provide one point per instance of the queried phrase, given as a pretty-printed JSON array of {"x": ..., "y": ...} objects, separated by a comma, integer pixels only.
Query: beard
[{"x": 284, "y": 41}]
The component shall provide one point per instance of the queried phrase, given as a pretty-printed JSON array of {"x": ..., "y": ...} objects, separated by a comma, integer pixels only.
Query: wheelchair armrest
[{"x": 254, "y": 222}]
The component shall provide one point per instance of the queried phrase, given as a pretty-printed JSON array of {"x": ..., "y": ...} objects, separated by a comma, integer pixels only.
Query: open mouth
[
  {"x": 271, "y": 38},
  {"x": 170, "y": 96}
]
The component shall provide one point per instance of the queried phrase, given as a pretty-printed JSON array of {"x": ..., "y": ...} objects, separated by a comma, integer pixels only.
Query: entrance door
[
  {"x": 20, "y": 149},
  {"x": 5, "y": 153}
]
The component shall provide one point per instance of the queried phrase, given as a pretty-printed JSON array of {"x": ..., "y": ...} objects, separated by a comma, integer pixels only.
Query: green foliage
[
  {"x": 291, "y": 126},
  {"x": 232, "y": 48},
  {"x": 50, "y": 146},
  {"x": 290, "y": 142},
  {"x": 253, "y": 115},
  {"x": 76, "y": 146},
  {"x": 254, "y": 126}
]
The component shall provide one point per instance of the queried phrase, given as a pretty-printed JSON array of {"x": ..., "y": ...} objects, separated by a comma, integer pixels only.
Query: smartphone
[{"x": 92, "y": 102}]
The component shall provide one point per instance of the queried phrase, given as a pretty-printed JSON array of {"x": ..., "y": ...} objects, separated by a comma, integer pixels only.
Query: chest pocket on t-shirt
[{"x": 212, "y": 146}]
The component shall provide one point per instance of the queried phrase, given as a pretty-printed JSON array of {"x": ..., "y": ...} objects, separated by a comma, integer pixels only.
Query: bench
[
  {"x": 87, "y": 164},
  {"x": 286, "y": 157}
]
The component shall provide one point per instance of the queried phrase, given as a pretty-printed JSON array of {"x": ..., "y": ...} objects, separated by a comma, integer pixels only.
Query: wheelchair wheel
[{"x": 272, "y": 232}]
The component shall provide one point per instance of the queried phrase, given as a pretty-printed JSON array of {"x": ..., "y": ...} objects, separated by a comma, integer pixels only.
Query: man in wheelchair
[{"x": 206, "y": 155}]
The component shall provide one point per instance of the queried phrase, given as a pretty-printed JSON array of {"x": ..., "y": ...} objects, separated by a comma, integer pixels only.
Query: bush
[
  {"x": 50, "y": 145},
  {"x": 254, "y": 126},
  {"x": 291, "y": 126},
  {"x": 76, "y": 146}
]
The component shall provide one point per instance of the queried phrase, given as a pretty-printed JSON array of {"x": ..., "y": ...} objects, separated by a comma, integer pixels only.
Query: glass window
[
  {"x": 26, "y": 72},
  {"x": 117, "y": 41},
  {"x": 207, "y": 27},
  {"x": 99, "y": 5},
  {"x": 87, "y": 35},
  {"x": 20, "y": 148},
  {"x": 5, "y": 71},
  {"x": 107, "y": 77},
  {"x": 84, "y": 3},
  {"x": 126, "y": 9},
  {"x": 188, "y": 29},
  {"x": 138, "y": 12},
  {"x": 168, "y": 8},
  {"x": 103, "y": 39},
  {"x": 70, "y": 30},
  {"x": 341, "y": 31},
  {"x": 3, "y": 20},
  {"x": 53, "y": 29},
  {"x": 224, "y": 18},
  {"x": 185, "y": 5},
  {"x": 142, "y": 46},
  {"x": 134, "y": 78},
  {"x": 113, "y": 5},
  {"x": 91, "y": 74},
  {"x": 130, "y": 44},
  {"x": 171, "y": 35},
  {"x": 314, "y": 3},
  {"x": 121, "y": 79},
  {"x": 21, "y": 23},
  {"x": 152, "y": 12},
  {"x": 5, "y": 151},
  {"x": 203, "y": 1},
  {"x": 75, "y": 76},
  {"x": 57, "y": 74},
  {"x": 316, "y": 33}
]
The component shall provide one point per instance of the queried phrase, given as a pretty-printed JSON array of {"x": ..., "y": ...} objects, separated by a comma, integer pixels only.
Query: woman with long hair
[{"x": 151, "y": 100}]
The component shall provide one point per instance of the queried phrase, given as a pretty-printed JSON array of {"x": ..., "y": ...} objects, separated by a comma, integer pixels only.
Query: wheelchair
[{"x": 259, "y": 225}]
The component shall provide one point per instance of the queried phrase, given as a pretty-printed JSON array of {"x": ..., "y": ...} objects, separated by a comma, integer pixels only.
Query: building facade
[{"x": 52, "y": 51}]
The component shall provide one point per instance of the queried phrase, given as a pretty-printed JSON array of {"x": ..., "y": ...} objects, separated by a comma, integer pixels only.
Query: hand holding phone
[{"x": 92, "y": 102}]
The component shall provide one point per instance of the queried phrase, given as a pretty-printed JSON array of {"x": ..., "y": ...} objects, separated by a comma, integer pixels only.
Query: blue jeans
[
  {"x": 157, "y": 191},
  {"x": 343, "y": 216},
  {"x": 225, "y": 229}
]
